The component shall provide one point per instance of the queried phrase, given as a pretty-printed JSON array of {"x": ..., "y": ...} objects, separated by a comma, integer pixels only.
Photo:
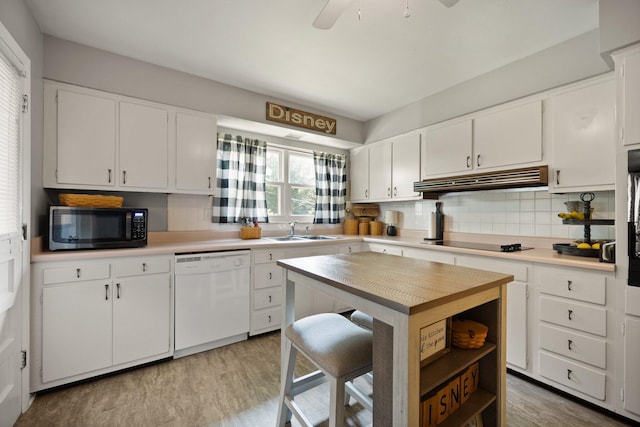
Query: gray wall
[
  {"x": 619, "y": 25},
  {"x": 17, "y": 18},
  {"x": 574, "y": 60}
]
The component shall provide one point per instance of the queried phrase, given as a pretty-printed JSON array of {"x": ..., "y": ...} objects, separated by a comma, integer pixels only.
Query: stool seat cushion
[
  {"x": 333, "y": 342},
  {"x": 362, "y": 319}
]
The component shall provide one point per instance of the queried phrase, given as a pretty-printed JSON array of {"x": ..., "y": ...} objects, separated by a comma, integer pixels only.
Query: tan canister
[
  {"x": 351, "y": 226},
  {"x": 375, "y": 228},
  {"x": 363, "y": 228}
]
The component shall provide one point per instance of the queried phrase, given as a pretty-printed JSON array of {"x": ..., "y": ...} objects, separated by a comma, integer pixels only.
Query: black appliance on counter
[
  {"x": 96, "y": 228},
  {"x": 633, "y": 200},
  {"x": 509, "y": 247}
]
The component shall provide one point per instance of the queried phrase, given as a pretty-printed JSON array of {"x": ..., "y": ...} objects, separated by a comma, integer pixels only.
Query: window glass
[
  {"x": 301, "y": 170},
  {"x": 274, "y": 200},
  {"x": 274, "y": 165},
  {"x": 303, "y": 201}
]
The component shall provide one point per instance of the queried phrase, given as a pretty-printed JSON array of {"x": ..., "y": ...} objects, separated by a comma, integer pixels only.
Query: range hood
[{"x": 537, "y": 176}]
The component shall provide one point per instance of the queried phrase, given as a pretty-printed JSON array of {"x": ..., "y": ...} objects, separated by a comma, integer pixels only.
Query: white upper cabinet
[
  {"x": 386, "y": 170},
  {"x": 405, "y": 169},
  {"x": 143, "y": 146},
  {"x": 359, "y": 173},
  {"x": 628, "y": 77},
  {"x": 86, "y": 135},
  {"x": 447, "y": 148},
  {"x": 96, "y": 140},
  {"x": 583, "y": 137},
  {"x": 509, "y": 136},
  {"x": 195, "y": 152},
  {"x": 380, "y": 170}
]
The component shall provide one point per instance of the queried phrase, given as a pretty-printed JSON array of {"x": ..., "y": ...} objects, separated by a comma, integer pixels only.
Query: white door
[
  {"x": 15, "y": 137},
  {"x": 359, "y": 174},
  {"x": 447, "y": 149}
]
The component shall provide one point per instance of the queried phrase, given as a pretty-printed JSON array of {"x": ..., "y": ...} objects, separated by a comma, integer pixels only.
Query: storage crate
[
  {"x": 90, "y": 201},
  {"x": 250, "y": 233}
]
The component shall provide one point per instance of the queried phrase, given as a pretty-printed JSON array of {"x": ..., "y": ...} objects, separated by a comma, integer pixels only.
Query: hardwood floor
[{"x": 237, "y": 386}]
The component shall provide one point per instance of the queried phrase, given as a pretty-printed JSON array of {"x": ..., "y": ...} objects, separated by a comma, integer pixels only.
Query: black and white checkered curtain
[
  {"x": 240, "y": 179},
  {"x": 331, "y": 187}
]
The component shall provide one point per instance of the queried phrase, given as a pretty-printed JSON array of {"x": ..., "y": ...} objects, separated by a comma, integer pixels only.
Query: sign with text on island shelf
[
  {"x": 291, "y": 116},
  {"x": 434, "y": 341}
]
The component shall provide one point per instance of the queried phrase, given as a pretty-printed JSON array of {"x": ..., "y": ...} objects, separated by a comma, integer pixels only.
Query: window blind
[{"x": 10, "y": 176}]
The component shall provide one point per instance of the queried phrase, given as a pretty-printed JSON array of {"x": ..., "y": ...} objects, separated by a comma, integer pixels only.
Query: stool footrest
[
  {"x": 358, "y": 395},
  {"x": 307, "y": 382},
  {"x": 295, "y": 410}
]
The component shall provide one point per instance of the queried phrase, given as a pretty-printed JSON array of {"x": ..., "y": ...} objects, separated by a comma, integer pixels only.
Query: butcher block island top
[
  {"x": 403, "y": 284},
  {"x": 409, "y": 299}
]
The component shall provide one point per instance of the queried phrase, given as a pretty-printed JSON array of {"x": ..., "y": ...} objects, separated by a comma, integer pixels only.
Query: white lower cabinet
[
  {"x": 574, "y": 332},
  {"x": 631, "y": 352},
  {"x": 82, "y": 328},
  {"x": 385, "y": 249},
  {"x": 266, "y": 290}
]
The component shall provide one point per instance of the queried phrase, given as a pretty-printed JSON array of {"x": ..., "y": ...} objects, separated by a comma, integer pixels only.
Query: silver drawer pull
[
  {"x": 106, "y": 292},
  {"x": 270, "y": 257},
  {"x": 144, "y": 266},
  {"x": 568, "y": 285},
  {"x": 270, "y": 276},
  {"x": 269, "y": 318},
  {"x": 77, "y": 273},
  {"x": 118, "y": 290},
  {"x": 269, "y": 298},
  {"x": 569, "y": 342},
  {"x": 568, "y": 374},
  {"x": 570, "y": 313}
]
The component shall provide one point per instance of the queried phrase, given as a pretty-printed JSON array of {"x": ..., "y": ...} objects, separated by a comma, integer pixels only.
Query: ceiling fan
[{"x": 334, "y": 8}]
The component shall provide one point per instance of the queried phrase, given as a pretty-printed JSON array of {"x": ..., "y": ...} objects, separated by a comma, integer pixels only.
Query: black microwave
[{"x": 96, "y": 228}]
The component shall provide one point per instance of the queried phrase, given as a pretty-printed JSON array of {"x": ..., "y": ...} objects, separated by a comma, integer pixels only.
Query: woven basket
[
  {"x": 468, "y": 333},
  {"x": 250, "y": 233},
  {"x": 90, "y": 201}
]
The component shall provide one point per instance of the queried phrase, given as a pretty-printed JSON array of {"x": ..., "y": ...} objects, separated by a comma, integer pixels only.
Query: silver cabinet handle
[
  {"x": 77, "y": 273},
  {"x": 124, "y": 177},
  {"x": 269, "y": 298},
  {"x": 269, "y": 318},
  {"x": 569, "y": 374},
  {"x": 570, "y": 313},
  {"x": 388, "y": 191},
  {"x": 569, "y": 285},
  {"x": 106, "y": 292},
  {"x": 366, "y": 194},
  {"x": 270, "y": 257},
  {"x": 109, "y": 178},
  {"x": 468, "y": 162},
  {"x": 270, "y": 275},
  {"x": 569, "y": 342},
  {"x": 395, "y": 191},
  {"x": 349, "y": 249},
  {"x": 209, "y": 178},
  {"x": 118, "y": 290},
  {"x": 478, "y": 160},
  {"x": 144, "y": 267},
  {"x": 557, "y": 177}
]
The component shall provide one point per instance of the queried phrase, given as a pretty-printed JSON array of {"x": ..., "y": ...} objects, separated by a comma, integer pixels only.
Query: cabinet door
[
  {"x": 405, "y": 165},
  {"x": 195, "y": 153},
  {"x": 86, "y": 139},
  {"x": 447, "y": 149},
  {"x": 141, "y": 317},
  {"x": 517, "y": 324},
  {"x": 143, "y": 146},
  {"x": 380, "y": 171},
  {"x": 76, "y": 329},
  {"x": 583, "y": 137},
  {"x": 508, "y": 137},
  {"x": 631, "y": 357},
  {"x": 359, "y": 174},
  {"x": 630, "y": 100}
]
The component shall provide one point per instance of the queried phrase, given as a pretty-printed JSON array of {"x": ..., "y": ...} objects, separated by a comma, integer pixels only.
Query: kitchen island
[{"x": 404, "y": 296}]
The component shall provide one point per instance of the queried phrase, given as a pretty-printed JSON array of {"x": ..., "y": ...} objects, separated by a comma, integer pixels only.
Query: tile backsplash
[{"x": 519, "y": 212}]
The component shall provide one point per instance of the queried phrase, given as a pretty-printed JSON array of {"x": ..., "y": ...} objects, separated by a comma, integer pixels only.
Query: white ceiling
[{"x": 359, "y": 69}]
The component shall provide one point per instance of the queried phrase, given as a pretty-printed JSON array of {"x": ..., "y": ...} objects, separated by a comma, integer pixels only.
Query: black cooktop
[{"x": 509, "y": 247}]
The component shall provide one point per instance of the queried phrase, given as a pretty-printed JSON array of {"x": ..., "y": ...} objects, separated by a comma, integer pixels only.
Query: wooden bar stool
[{"x": 340, "y": 350}]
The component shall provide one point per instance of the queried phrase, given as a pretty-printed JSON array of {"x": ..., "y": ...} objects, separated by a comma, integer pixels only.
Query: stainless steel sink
[
  {"x": 285, "y": 238},
  {"x": 316, "y": 237}
]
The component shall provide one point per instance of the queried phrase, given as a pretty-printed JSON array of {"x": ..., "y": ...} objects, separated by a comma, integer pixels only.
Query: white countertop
[{"x": 177, "y": 242}]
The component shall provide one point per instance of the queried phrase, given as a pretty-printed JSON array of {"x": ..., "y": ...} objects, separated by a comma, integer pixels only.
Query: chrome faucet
[{"x": 293, "y": 228}]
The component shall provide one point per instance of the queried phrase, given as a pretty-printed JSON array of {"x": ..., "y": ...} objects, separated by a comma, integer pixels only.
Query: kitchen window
[{"x": 291, "y": 185}]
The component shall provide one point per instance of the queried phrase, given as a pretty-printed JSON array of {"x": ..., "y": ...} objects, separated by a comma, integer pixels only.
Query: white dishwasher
[{"x": 212, "y": 300}]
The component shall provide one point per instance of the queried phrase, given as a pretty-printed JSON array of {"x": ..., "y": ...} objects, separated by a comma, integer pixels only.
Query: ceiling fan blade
[
  {"x": 330, "y": 13},
  {"x": 449, "y": 3}
]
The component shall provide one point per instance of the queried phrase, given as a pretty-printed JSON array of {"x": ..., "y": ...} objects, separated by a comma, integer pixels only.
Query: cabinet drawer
[
  {"x": 261, "y": 257},
  {"x": 577, "y": 377},
  {"x": 576, "y": 346},
  {"x": 574, "y": 315},
  {"x": 519, "y": 271},
  {"x": 572, "y": 284},
  {"x": 76, "y": 273},
  {"x": 267, "y": 275},
  {"x": 385, "y": 249},
  {"x": 142, "y": 266},
  {"x": 266, "y": 319},
  {"x": 264, "y": 298}
]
